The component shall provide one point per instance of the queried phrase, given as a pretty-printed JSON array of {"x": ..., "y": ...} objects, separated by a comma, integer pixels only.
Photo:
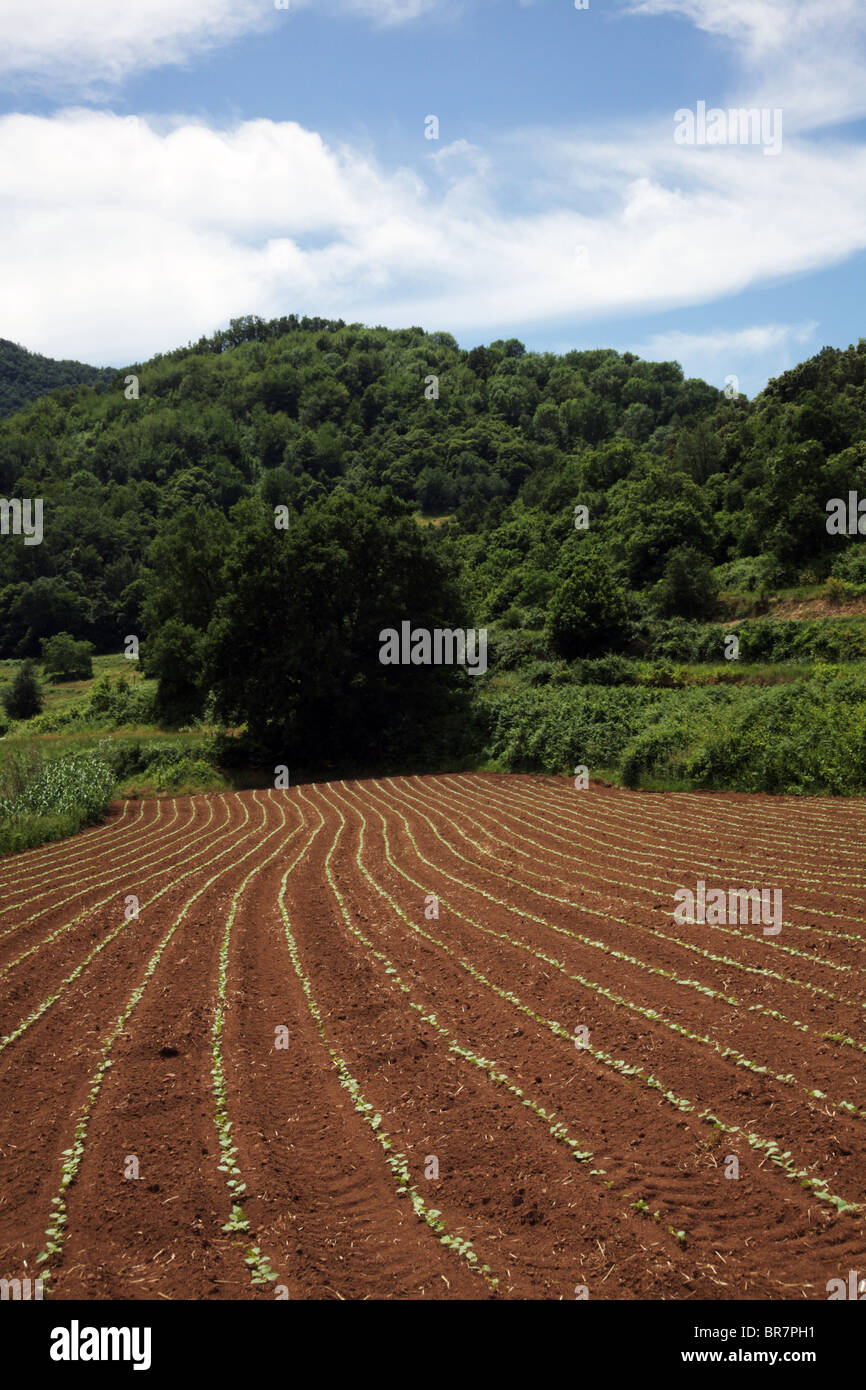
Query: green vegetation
[
  {"x": 64, "y": 659},
  {"x": 25, "y": 376},
  {"x": 282, "y": 492},
  {"x": 94, "y": 740},
  {"x": 801, "y": 736},
  {"x": 44, "y": 798},
  {"x": 23, "y": 699}
]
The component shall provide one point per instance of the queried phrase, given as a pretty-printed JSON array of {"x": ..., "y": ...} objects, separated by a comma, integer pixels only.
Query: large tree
[
  {"x": 294, "y": 648},
  {"x": 588, "y": 612}
]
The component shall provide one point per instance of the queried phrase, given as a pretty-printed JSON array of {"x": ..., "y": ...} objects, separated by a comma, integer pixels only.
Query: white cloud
[
  {"x": 752, "y": 354},
  {"x": 86, "y": 46},
  {"x": 385, "y": 12},
  {"x": 121, "y": 237},
  {"x": 85, "y": 43},
  {"x": 805, "y": 56},
  {"x": 728, "y": 343},
  {"x": 762, "y": 28}
]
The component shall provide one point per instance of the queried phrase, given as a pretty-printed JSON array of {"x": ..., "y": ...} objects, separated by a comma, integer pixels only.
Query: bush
[
  {"x": 660, "y": 675},
  {"x": 687, "y": 588},
  {"x": 679, "y": 641},
  {"x": 554, "y": 727},
  {"x": 24, "y": 698},
  {"x": 543, "y": 672},
  {"x": 604, "y": 670},
  {"x": 765, "y": 640},
  {"x": 749, "y": 574},
  {"x": 135, "y": 758},
  {"x": 65, "y": 659},
  {"x": 658, "y": 750},
  {"x": 195, "y": 773},
  {"x": 839, "y": 591},
  {"x": 120, "y": 703},
  {"x": 588, "y": 612},
  {"x": 507, "y": 651},
  {"x": 511, "y": 619},
  {"x": 809, "y": 737},
  {"x": 42, "y": 799},
  {"x": 803, "y": 737},
  {"x": 851, "y": 564}
]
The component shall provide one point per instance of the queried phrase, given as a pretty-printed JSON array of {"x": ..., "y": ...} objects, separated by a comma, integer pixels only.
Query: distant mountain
[{"x": 25, "y": 376}]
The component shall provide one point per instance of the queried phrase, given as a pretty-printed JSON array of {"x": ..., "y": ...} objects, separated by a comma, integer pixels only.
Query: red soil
[{"x": 555, "y": 910}]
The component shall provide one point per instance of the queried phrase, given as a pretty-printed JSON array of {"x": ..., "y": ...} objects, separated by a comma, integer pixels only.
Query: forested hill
[
  {"x": 25, "y": 376},
  {"x": 676, "y": 477}
]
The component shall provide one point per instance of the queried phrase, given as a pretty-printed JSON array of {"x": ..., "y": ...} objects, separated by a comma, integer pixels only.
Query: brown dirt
[
  {"x": 555, "y": 907},
  {"x": 817, "y": 608}
]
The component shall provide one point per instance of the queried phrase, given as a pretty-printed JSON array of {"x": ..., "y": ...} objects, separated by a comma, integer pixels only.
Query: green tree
[
  {"x": 64, "y": 659},
  {"x": 687, "y": 588},
  {"x": 23, "y": 699},
  {"x": 175, "y": 656},
  {"x": 294, "y": 648},
  {"x": 652, "y": 514},
  {"x": 184, "y": 576},
  {"x": 588, "y": 611}
]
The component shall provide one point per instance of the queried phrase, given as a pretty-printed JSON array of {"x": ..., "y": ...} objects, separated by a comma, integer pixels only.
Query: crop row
[
  {"x": 782, "y": 1159},
  {"x": 55, "y": 1234},
  {"x": 763, "y": 971},
  {"x": 74, "y": 974}
]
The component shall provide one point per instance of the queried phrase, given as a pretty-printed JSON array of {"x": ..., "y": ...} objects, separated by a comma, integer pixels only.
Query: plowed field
[{"x": 434, "y": 1037}]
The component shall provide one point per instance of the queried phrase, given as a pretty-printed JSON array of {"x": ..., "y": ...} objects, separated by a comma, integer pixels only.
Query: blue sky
[{"x": 167, "y": 165}]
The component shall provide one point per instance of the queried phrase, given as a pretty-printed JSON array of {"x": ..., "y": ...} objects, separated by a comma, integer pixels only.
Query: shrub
[
  {"x": 612, "y": 669},
  {"x": 839, "y": 591},
  {"x": 511, "y": 618},
  {"x": 196, "y": 773},
  {"x": 506, "y": 651},
  {"x": 553, "y": 727},
  {"x": 749, "y": 574},
  {"x": 542, "y": 672},
  {"x": 134, "y": 758},
  {"x": 24, "y": 698},
  {"x": 768, "y": 639},
  {"x": 654, "y": 751},
  {"x": 588, "y": 612},
  {"x": 42, "y": 799},
  {"x": 661, "y": 675},
  {"x": 120, "y": 703},
  {"x": 851, "y": 564},
  {"x": 687, "y": 588},
  {"x": 802, "y": 737},
  {"x": 65, "y": 659}
]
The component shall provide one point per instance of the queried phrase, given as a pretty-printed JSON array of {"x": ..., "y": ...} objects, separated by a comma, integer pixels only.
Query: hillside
[
  {"x": 504, "y": 440},
  {"x": 651, "y": 559},
  {"x": 25, "y": 376}
]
